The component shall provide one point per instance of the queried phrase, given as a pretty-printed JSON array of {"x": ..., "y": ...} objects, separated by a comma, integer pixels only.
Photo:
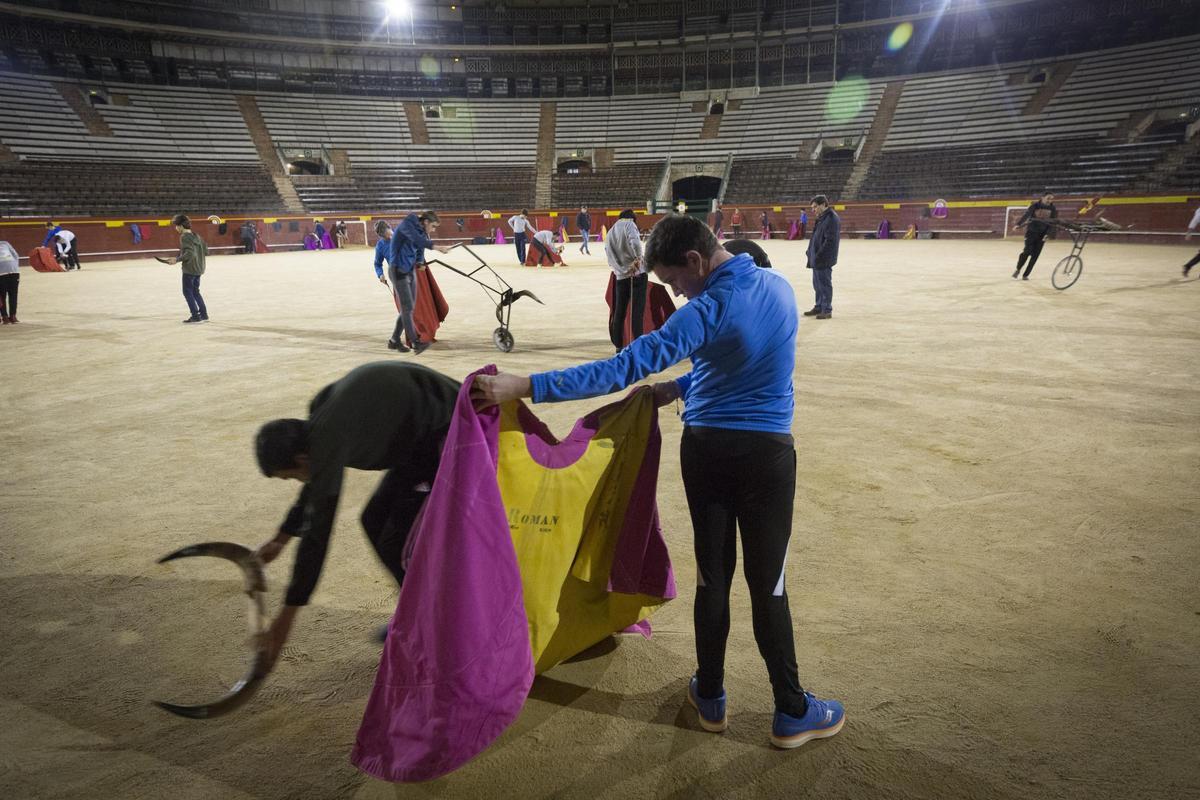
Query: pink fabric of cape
[{"x": 457, "y": 664}]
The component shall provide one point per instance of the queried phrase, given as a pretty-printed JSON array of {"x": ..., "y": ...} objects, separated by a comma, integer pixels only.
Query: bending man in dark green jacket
[{"x": 192, "y": 251}]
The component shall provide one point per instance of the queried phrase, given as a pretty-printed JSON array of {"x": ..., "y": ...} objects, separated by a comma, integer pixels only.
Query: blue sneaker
[
  {"x": 711, "y": 713},
  {"x": 824, "y": 718}
]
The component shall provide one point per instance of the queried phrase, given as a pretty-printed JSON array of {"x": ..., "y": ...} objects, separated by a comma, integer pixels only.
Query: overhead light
[{"x": 395, "y": 8}]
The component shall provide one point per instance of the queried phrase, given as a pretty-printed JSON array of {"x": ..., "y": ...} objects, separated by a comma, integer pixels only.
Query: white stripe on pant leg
[
  {"x": 700, "y": 576},
  {"x": 779, "y": 585}
]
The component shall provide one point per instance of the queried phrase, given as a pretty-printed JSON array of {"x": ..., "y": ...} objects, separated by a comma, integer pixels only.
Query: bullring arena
[{"x": 993, "y": 560}]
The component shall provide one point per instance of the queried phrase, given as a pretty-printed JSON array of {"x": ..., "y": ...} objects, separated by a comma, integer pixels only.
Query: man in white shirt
[
  {"x": 520, "y": 224},
  {"x": 1195, "y": 223},
  {"x": 543, "y": 242},
  {"x": 64, "y": 240},
  {"x": 623, "y": 247}
]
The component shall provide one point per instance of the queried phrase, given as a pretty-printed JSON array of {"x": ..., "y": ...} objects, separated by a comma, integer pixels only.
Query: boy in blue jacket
[
  {"x": 736, "y": 455},
  {"x": 408, "y": 245}
]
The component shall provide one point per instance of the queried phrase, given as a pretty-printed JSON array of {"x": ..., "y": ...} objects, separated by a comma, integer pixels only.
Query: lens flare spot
[
  {"x": 429, "y": 67},
  {"x": 846, "y": 99},
  {"x": 899, "y": 37}
]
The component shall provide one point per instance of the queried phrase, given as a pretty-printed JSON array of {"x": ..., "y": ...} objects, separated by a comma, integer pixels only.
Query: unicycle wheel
[
  {"x": 503, "y": 340},
  {"x": 1066, "y": 272}
]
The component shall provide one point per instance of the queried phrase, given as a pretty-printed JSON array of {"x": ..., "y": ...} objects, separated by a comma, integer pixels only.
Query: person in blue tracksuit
[
  {"x": 409, "y": 242},
  {"x": 737, "y": 457},
  {"x": 383, "y": 248}
]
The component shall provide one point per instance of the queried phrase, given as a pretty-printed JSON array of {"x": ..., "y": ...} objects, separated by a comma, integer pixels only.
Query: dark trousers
[
  {"x": 8, "y": 294},
  {"x": 71, "y": 257},
  {"x": 1033, "y": 249},
  {"x": 628, "y": 292},
  {"x": 389, "y": 516},
  {"x": 822, "y": 280},
  {"x": 586, "y": 233},
  {"x": 191, "y": 293},
  {"x": 1193, "y": 262},
  {"x": 742, "y": 479},
  {"x": 520, "y": 242},
  {"x": 247, "y": 245},
  {"x": 404, "y": 284},
  {"x": 543, "y": 251}
]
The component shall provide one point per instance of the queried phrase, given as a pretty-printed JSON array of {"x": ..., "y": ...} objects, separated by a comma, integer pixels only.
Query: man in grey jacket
[
  {"x": 623, "y": 246},
  {"x": 822, "y": 255}
]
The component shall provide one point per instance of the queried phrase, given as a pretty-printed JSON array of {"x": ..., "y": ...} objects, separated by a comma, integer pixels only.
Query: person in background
[
  {"x": 624, "y": 250},
  {"x": 67, "y": 253},
  {"x": 1195, "y": 223},
  {"x": 823, "y": 255},
  {"x": 383, "y": 248},
  {"x": 543, "y": 242},
  {"x": 736, "y": 222},
  {"x": 409, "y": 242},
  {"x": 583, "y": 220},
  {"x": 249, "y": 234},
  {"x": 803, "y": 223},
  {"x": 765, "y": 224},
  {"x": 1035, "y": 235},
  {"x": 737, "y": 455},
  {"x": 51, "y": 231},
  {"x": 192, "y": 253},
  {"x": 10, "y": 278},
  {"x": 339, "y": 233},
  {"x": 520, "y": 225}
]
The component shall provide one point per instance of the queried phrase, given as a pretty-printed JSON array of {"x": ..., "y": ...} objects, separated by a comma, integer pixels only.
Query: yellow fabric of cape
[{"x": 565, "y": 523}]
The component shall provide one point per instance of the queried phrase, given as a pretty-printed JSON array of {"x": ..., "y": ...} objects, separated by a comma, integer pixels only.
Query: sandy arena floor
[{"x": 995, "y": 562}]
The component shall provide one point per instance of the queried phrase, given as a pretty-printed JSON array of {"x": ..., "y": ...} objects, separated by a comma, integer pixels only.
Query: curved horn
[
  {"x": 511, "y": 297},
  {"x": 255, "y": 586}
]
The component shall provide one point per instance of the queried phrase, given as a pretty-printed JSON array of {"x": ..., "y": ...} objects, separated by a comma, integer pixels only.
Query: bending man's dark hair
[
  {"x": 182, "y": 220},
  {"x": 381, "y": 226},
  {"x": 626, "y": 214},
  {"x": 674, "y": 236},
  {"x": 738, "y": 246},
  {"x": 429, "y": 216},
  {"x": 278, "y": 443},
  {"x": 821, "y": 200}
]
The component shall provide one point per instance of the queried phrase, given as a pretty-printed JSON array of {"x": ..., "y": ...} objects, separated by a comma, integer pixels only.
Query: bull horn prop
[{"x": 255, "y": 587}]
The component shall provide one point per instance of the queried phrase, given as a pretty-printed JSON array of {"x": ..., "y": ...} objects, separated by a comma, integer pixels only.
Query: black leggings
[
  {"x": 625, "y": 290},
  {"x": 1033, "y": 249},
  {"x": 743, "y": 479},
  {"x": 8, "y": 293},
  {"x": 1193, "y": 262},
  {"x": 389, "y": 515}
]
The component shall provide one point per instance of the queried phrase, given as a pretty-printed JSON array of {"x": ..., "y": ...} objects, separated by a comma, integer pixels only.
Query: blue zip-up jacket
[
  {"x": 50, "y": 236},
  {"x": 740, "y": 333},
  {"x": 823, "y": 244},
  {"x": 383, "y": 250},
  {"x": 408, "y": 244}
]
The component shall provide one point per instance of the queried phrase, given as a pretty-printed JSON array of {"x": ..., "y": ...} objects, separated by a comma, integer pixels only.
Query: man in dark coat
[{"x": 822, "y": 255}]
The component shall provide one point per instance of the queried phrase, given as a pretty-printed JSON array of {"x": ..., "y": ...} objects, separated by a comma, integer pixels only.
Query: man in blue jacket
[
  {"x": 822, "y": 255},
  {"x": 736, "y": 456},
  {"x": 409, "y": 241}
]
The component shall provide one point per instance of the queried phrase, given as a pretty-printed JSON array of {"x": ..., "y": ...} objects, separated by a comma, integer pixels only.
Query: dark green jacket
[{"x": 192, "y": 251}]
